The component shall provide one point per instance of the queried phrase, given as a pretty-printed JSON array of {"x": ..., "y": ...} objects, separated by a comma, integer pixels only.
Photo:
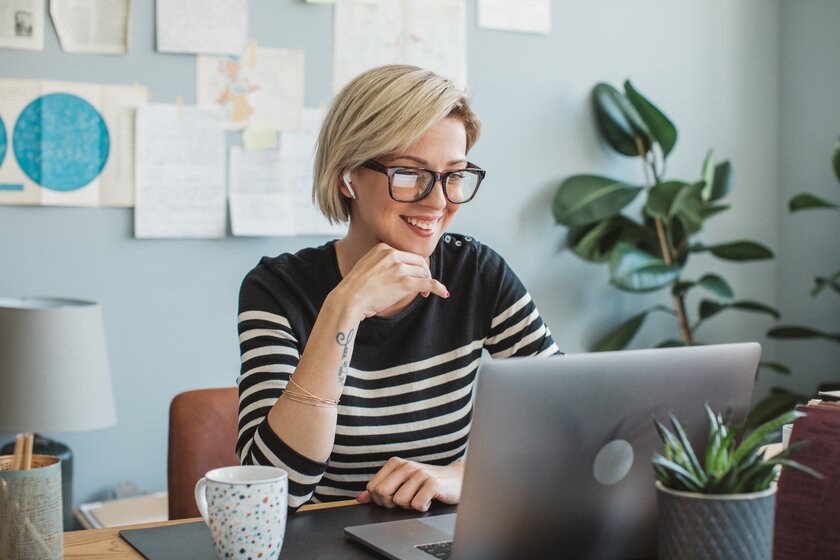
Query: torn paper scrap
[{"x": 92, "y": 26}]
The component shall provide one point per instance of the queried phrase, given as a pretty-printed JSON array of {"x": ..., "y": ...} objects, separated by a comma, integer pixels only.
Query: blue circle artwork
[
  {"x": 61, "y": 142},
  {"x": 3, "y": 141}
]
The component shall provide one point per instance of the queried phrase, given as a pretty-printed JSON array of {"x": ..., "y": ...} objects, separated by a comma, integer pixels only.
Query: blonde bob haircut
[{"x": 381, "y": 112}]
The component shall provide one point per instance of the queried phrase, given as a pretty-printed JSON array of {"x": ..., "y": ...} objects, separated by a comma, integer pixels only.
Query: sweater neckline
[{"x": 434, "y": 267}]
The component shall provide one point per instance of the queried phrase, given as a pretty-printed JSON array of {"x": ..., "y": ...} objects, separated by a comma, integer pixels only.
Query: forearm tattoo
[{"x": 344, "y": 341}]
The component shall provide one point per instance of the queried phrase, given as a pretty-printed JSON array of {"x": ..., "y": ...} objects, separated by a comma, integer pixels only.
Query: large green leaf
[
  {"x": 670, "y": 343},
  {"x": 619, "y": 122},
  {"x": 721, "y": 184},
  {"x": 823, "y": 282},
  {"x": 717, "y": 285},
  {"x": 711, "y": 210},
  {"x": 638, "y": 271},
  {"x": 661, "y": 198},
  {"x": 807, "y": 201},
  {"x": 708, "y": 174},
  {"x": 778, "y": 367},
  {"x": 736, "y": 251},
  {"x": 835, "y": 160},
  {"x": 798, "y": 332},
  {"x": 595, "y": 242},
  {"x": 756, "y": 307},
  {"x": 584, "y": 199},
  {"x": 708, "y": 308},
  {"x": 688, "y": 207},
  {"x": 620, "y": 337},
  {"x": 662, "y": 129}
]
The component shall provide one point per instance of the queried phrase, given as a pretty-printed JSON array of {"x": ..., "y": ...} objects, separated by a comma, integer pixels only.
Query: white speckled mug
[{"x": 245, "y": 508}]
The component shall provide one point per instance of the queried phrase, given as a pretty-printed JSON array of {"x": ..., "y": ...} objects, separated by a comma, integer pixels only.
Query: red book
[{"x": 808, "y": 509}]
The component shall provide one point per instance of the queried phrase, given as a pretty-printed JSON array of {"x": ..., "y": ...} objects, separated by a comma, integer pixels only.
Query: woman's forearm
[{"x": 322, "y": 370}]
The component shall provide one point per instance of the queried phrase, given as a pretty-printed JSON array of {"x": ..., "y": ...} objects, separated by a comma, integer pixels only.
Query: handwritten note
[
  {"x": 202, "y": 26},
  {"x": 180, "y": 171},
  {"x": 261, "y": 203},
  {"x": 428, "y": 33}
]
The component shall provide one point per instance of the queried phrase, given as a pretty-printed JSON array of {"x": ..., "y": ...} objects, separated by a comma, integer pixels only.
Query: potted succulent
[{"x": 723, "y": 506}]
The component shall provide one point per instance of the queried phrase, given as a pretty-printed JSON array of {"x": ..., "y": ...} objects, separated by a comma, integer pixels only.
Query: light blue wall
[
  {"x": 809, "y": 126},
  {"x": 713, "y": 65}
]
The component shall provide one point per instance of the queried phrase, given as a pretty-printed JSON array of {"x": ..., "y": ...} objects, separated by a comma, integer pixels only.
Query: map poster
[{"x": 67, "y": 144}]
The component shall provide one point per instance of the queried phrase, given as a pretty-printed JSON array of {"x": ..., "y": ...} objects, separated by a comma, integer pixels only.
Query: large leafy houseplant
[
  {"x": 719, "y": 503},
  {"x": 650, "y": 252},
  {"x": 781, "y": 398}
]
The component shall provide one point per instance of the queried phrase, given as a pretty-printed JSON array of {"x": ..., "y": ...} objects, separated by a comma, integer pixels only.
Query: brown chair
[{"x": 202, "y": 436}]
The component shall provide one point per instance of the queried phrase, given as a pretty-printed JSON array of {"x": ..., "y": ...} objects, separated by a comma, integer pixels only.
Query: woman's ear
[{"x": 346, "y": 186}]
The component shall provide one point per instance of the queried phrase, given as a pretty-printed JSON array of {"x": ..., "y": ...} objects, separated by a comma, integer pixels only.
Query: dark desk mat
[{"x": 309, "y": 534}]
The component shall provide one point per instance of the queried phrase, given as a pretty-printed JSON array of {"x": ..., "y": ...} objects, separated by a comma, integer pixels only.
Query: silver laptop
[{"x": 559, "y": 461}]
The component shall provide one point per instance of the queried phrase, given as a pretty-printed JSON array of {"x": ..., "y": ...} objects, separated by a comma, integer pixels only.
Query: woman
[{"x": 359, "y": 356}]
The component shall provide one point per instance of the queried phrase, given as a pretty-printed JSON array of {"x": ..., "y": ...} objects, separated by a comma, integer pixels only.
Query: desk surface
[
  {"x": 106, "y": 544},
  {"x": 309, "y": 534}
]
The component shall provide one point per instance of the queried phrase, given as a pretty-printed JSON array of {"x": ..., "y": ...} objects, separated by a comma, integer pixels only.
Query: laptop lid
[{"x": 560, "y": 450}]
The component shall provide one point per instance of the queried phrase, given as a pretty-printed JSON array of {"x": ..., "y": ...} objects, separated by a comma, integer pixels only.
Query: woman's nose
[{"x": 436, "y": 198}]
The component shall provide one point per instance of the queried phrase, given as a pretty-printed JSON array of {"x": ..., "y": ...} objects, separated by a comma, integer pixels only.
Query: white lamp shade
[{"x": 54, "y": 374}]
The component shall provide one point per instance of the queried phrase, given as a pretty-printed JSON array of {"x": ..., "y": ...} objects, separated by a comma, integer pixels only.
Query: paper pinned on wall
[
  {"x": 119, "y": 105},
  {"x": 261, "y": 87},
  {"x": 180, "y": 172},
  {"x": 202, "y": 26},
  {"x": 436, "y": 37},
  {"x": 22, "y": 24},
  {"x": 92, "y": 26},
  {"x": 428, "y": 33},
  {"x": 259, "y": 137},
  {"x": 261, "y": 203},
  {"x": 71, "y": 143},
  {"x": 271, "y": 191},
  {"x": 528, "y": 16},
  {"x": 298, "y": 151},
  {"x": 344, "y": 1}
]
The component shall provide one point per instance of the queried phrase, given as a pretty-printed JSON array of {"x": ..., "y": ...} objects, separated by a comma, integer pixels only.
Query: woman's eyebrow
[{"x": 422, "y": 161}]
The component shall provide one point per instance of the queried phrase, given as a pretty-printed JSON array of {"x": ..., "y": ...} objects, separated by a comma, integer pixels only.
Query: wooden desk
[{"x": 106, "y": 544}]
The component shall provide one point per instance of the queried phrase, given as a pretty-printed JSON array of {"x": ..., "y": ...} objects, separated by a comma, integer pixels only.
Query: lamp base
[{"x": 45, "y": 446}]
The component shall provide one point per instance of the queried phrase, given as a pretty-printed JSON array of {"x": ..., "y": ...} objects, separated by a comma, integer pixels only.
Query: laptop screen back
[{"x": 559, "y": 460}]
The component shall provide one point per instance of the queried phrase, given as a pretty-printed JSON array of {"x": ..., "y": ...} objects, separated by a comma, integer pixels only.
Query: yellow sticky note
[{"x": 259, "y": 137}]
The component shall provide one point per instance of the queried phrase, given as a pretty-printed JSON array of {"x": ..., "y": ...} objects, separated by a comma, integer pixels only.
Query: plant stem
[{"x": 679, "y": 305}]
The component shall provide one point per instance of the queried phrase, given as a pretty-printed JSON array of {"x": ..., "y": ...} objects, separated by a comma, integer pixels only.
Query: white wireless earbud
[{"x": 346, "y": 178}]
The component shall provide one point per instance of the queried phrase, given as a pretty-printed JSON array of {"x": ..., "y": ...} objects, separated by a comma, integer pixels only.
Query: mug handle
[{"x": 201, "y": 498}]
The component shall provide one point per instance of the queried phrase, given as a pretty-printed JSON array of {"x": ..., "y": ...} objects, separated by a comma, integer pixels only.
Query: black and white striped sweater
[{"x": 409, "y": 388}]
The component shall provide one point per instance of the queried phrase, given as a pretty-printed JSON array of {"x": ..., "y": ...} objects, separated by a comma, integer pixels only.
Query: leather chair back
[{"x": 202, "y": 436}]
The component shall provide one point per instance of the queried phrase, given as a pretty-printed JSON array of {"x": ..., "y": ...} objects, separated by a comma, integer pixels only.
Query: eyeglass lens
[{"x": 409, "y": 185}]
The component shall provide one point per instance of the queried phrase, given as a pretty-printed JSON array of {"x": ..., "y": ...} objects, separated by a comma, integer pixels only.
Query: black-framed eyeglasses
[{"x": 410, "y": 184}]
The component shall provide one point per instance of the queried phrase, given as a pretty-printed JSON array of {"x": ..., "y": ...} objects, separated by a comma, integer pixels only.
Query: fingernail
[{"x": 447, "y": 293}]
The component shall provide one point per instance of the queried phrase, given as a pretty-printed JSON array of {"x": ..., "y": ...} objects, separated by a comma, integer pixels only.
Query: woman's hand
[
  {"x": 412, "y": 485},
  {"x": 384, "y": 276}
]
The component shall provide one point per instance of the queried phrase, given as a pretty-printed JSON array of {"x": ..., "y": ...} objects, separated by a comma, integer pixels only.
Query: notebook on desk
[{"x": 559, "y": 464}]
